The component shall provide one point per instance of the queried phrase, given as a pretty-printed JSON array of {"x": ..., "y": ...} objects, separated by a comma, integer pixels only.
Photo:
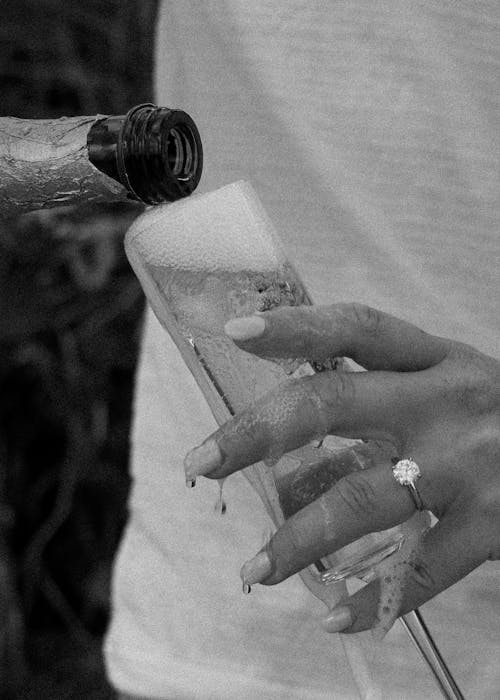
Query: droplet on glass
[{"x": 220, "y": 505}]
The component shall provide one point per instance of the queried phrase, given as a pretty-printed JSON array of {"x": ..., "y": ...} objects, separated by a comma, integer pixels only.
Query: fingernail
[
  {"x": 338, "y": 619},
  {"x": 257, "y": 569},
  {"x": 202, "y": 460},
  {"x": 245, "y": 328}
]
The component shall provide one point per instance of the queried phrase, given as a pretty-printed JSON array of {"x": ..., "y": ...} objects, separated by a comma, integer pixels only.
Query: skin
[{"x": 434, "y": 399}]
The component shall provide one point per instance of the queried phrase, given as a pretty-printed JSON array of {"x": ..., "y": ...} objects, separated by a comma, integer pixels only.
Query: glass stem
[{"x": 420, "y": 635}]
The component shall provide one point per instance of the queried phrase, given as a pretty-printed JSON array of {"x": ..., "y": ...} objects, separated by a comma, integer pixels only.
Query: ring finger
[{"x": 360, "y": 503}]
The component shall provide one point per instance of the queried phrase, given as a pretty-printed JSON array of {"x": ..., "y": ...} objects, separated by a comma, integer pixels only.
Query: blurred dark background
[{"x": 70, "y": 313}]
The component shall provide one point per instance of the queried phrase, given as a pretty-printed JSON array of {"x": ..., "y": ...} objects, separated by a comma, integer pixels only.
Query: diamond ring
[{"x": 406, "y": 472}]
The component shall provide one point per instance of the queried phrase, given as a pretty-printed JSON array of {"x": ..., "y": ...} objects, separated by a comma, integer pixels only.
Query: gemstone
[{"x": 406, "y": 472}]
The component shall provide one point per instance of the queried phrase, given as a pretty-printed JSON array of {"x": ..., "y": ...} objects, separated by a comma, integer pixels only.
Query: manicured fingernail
[
  {"x": 257, "y": 569},
  {"x": 202, "y": 460},
  {"x": 245, "y": 328},
  {"x": 338, "y": 619}
]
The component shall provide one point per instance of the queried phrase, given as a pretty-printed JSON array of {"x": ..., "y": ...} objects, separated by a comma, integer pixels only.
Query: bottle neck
[{"x": 155, "y": 152}]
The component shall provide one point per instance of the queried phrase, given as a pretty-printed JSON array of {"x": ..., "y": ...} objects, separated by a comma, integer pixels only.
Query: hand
[{"x": 434, "y": 399}]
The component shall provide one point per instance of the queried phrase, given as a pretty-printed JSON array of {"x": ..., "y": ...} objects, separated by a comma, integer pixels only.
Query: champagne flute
[{"x": 215, "y": 257}]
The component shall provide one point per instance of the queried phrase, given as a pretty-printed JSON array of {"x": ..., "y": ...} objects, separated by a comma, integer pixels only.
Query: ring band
[{"x": 406, "y": 472}]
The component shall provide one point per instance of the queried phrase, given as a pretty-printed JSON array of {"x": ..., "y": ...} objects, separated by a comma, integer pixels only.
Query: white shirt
[{"x": 370, "y": 131}]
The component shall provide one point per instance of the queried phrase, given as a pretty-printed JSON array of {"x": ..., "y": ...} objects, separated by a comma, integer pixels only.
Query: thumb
[{"x": 446, "y": 553}]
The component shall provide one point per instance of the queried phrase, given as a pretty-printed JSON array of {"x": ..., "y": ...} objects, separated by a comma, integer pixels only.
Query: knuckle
[
  {"x": 359, "y": 496},
  {"x": 423, "y": 580},
  {"x": 334, "y": 390},
  {"x": 368, "y": 318},
  {"x": 296, "y": 398}
]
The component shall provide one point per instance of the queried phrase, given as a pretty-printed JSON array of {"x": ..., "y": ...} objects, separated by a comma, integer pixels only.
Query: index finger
[{"x": 374, "y": 339}]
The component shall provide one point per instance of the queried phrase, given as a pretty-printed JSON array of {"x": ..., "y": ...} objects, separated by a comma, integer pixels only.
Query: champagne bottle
[{"x": 151, "y": 154}]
